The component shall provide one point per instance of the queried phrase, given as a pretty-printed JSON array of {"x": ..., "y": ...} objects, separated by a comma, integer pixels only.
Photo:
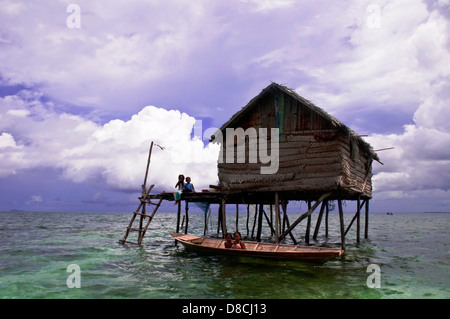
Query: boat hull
[{"x": 262, "y": 250}]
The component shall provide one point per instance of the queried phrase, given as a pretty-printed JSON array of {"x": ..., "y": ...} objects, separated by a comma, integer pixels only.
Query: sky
[{"x": 85, "y": 86}]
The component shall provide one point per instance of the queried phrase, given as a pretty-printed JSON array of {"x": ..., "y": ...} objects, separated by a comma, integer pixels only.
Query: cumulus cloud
[{"x": 114, "y": 154}]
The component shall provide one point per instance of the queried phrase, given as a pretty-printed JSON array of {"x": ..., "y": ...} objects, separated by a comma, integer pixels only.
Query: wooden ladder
[{"x": 141, "y": 229}]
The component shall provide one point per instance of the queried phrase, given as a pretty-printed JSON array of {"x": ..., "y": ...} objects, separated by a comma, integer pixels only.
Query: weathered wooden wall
[{"x": 313, "y": 155}]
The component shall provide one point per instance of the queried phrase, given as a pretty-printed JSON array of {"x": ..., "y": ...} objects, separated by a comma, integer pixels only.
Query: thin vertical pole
[
  {"x": 237, "y": 217},
  {"x": 277, "y": 218},
  {"x": 187, "y": 216},
  {"x": 219, "y": 219},
  {"x": 248, "y": 217},
  {"x": 260, "y": 218},
  {"x": 327, "y": 209},
  {"x": 224, "y": 221},
  {"x": 358, "y": 222},
  {"x": 341, "y": 223},
  {"x": 308, "y": 224},
  {"x": 319, "y": 220},
  {"x": 366, "y": 228},
  {"x": 178, "y": 216}
]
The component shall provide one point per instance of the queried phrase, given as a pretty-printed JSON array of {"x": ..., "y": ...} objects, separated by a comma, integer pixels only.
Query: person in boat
[
  {"x": 189, "y": 187},
  {"x": 238, "y": 243},
  {"x": 180, "y": 185},
  {"x": 228, "y": 241}
]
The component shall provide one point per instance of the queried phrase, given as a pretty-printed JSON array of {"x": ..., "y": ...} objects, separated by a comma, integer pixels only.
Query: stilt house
[{"x": 317, "y": 153}]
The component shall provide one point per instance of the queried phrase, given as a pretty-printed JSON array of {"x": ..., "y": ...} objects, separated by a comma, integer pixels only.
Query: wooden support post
[
  {"x": 254, "y": 220},
  {"x": 277, "y": 218},
  {"x": 308, "y": 224},
  {"x": 219, "y": 219},
  {"x": 248, "y": 217},
  {"x": 341, "y": 224},
  {"x": 144, "y": 186},
  {"x": 187, "y": 216},
  {"x": 260, "y": 219},
  {"x": 358, "y": 221},
  {"x": 366, "y": 228},
  {"x": 272, "y": 231},
  {"x": 178, "y": 216},
  {"x": 224, "y": 220},
  {"x": 319, "y": 220},
  {"x": 237, "y": 217},
  {"x": 327, "y": 209}
]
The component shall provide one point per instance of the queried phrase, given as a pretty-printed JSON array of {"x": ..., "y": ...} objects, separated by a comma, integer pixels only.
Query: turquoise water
[{"x": 412, "y": 251}]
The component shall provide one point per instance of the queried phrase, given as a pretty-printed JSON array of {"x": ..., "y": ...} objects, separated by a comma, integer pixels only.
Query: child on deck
[
  {"x": 180, "y": 185},
  {"x": 189, "y": 187}
]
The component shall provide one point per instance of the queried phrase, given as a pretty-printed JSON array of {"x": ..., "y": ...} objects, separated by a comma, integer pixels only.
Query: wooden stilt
[
  {"x": 319, "y": 220},
  {"x": 277, "y": 218},
  {"x": 260, "y": 219},
  {"x": 308, "y": 224},
  {"x": 248, "y": 217},
  {"x": 327, "y": 209},
  {"x": 366, "y": 228},
  {"x": 178, "y": 216},
  {"x": 341, "y": 224},
  {"x": 224, "y": 220},
  {"x": 272, "y": 231},
  {"x": 358, "y": 221},
  {"x": 254, "y": 220},
  {"x": 186, "y": 209},
  {"x": 237, "y": 217},
  {"x": 219, "y": 219}
]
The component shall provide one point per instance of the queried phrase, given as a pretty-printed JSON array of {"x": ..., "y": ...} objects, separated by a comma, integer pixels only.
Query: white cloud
[{"x": 114, "y": 154}]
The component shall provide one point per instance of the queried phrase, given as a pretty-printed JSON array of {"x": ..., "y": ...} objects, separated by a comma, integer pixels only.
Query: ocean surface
[{"x": 412, "y": 252}]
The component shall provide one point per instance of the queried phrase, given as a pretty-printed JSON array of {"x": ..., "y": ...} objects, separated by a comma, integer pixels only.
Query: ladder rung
[
  {"x": 145, "y": 215},
  {"x": 139, "y": 230},
  {"x": 150, "y": 202}
]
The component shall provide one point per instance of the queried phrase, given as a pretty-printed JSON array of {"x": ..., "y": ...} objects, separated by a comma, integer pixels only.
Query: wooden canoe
[{"x": 255, "y": 249}]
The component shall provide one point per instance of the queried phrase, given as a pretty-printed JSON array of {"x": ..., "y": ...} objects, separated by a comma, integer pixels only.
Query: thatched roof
[{"x": 335, "y": 122}]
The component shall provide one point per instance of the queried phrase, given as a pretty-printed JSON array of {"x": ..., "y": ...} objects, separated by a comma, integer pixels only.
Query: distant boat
[
  {"x": 254, "y": 249},
  {"x": 389, "y": 213}
]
